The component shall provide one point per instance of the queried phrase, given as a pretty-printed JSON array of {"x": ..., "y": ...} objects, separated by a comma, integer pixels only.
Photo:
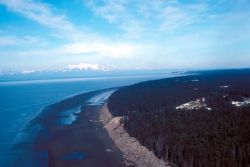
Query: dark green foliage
[{"x": 190, "y": 138}]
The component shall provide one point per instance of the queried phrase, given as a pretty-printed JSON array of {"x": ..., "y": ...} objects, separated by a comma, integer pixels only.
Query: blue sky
[{"x": 124, "y": 34}]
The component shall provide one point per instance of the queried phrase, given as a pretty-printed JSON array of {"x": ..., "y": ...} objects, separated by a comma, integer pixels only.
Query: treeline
[{"x": 190, "y": 138}]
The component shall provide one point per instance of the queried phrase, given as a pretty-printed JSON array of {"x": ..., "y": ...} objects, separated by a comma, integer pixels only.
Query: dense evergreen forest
[{"x": 219, "y": 137}]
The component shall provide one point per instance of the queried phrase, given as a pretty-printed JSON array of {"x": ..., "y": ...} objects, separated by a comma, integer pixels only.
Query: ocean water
[{"x": 21, "y": 101}]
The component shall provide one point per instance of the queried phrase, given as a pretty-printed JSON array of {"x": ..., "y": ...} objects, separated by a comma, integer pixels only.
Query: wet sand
[{"x": 70, "y": 143}]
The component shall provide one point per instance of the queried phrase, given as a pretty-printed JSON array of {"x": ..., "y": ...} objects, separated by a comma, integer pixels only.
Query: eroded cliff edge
[{"x": 133, "y": 152}]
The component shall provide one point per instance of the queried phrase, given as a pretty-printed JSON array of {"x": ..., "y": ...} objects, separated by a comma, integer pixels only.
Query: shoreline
[
  {"x": 133, "y": 152},
  {"x": 83, "y": 142},
  {"x": 37, "y": 128},
  {"x": 95, "y": 141}
]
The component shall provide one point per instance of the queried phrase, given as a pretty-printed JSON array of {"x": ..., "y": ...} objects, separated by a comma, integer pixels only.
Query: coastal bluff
[
  {"x": 199, "y": 120},
  {"x": 133, "y": 152}
]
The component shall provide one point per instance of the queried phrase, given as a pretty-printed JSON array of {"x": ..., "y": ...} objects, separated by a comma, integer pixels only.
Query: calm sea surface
[{"x": 21, "y": 101}]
